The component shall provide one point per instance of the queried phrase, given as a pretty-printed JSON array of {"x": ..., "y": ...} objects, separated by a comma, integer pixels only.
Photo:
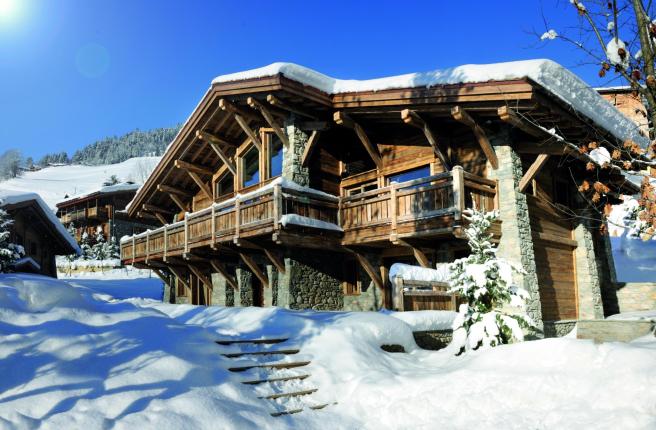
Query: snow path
[{"x": 73, "y": 358}]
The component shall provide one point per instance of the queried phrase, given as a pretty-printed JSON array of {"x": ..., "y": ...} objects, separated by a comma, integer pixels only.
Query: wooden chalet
[
  {"x": 104, "y": 208},
  {"x": 38, "y": 231},
  {"x": 286, "y": 187}
]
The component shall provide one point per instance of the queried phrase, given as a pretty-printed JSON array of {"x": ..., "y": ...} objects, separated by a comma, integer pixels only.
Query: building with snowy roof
[
  {"x": 288, "y": 187},
  {"x": 36, "y": 228},
  {"x": 103, "y": 208}
]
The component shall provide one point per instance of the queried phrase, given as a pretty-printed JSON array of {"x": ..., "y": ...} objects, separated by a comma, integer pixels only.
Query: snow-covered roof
[
  {"x": 556, "y": 79},
  {"x": 109, "y": 189},
  {"x": 9, "y": 197}
]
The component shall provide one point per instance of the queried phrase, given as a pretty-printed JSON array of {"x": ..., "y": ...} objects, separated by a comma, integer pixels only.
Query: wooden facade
[{"x": 266, "y": 168}]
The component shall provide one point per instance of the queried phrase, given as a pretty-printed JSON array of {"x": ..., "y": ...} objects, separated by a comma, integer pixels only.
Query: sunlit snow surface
[{"x": 74, "y": 358}]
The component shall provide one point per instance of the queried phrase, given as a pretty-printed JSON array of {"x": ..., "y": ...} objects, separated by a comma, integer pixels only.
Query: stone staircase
[{"x": 277, "y": 371}]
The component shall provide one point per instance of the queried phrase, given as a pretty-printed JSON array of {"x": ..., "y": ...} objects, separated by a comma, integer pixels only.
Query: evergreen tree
[
  {"x": 485, "y": 281},
  {"x": 9, "y": 252},
  {"x": 85, "y": 245},
  {"x": 112, "y": 180},
  {"x": 99, "y": 249},
  {"x": 111, "y": 249}
]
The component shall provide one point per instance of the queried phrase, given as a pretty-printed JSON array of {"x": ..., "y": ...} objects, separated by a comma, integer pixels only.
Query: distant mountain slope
[
  {"x": 53, "y": 184},
  {"x": 136, "y": 143}
]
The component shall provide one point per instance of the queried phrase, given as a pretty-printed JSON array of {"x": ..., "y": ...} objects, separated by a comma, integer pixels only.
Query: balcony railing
[
  {"x": 254, "y": 214},
  {"x": 421, "y": 207}
]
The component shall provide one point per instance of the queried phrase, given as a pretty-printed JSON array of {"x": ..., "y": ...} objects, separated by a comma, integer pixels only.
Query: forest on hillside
[{"x": 109, "y": 150}]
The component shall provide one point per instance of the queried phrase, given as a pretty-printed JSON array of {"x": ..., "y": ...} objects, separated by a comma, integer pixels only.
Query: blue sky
[{"x": 73, "y": 71}]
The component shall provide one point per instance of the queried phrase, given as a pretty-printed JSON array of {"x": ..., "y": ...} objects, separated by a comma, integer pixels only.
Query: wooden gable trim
[
  {"x": 268, "y": 117},
  {"x": 344, "y": 120},
  {"x": 461, "y": 115},
  {"x": 412, "y": 118}
]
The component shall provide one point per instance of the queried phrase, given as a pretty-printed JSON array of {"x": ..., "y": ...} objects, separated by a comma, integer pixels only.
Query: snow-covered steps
[{"x": 276, "y": 369}]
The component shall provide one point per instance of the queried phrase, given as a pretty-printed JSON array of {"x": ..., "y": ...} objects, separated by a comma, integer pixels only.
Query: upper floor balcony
[{"x": 430, "y": 206}]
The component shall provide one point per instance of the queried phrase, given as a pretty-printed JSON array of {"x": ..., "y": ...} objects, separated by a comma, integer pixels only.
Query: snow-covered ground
[
  {"x": 53, "y": 184},
  {"x": 71, "y": 357},
  {"x": 120, "y": 283}
]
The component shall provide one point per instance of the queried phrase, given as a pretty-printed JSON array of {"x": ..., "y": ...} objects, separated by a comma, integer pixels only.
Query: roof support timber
[
  {"x": 370, "y": 269},
  {"x": 513, "y": 118},
  {"x": 420, "y": 256},
  {"x": 309, "y": 147},
  {"x": 202, "y": 185},
  {"x": 275, "y": 101},
  {"x": 241, "y": 120},
  {"x": 412, "y": 118},
  {"x": 183, "y": 207},
  {"x": 200, "y": 275},
  {"x": 461, "y": 115},
  {"x": 173, "y": 190},
  {"x": 223, "y": 271},
  {"x": 255, "y": 269},
  {"x": 533, "y": 171},
  {"x": 344, "y": 120},
  {"x": 190, "y": 167},
  {"x": 268, "y": 117},
  {"x": 215, "y": 143},
  {"x": 181, "y": 278},
  {"x": 161, "y": 218},
  {"x": 155, "y": 209}
]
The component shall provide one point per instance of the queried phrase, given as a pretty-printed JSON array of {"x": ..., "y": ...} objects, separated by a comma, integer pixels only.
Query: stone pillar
[
  {"x": 219, "y": 286},
  {"x": 516, "y": 243},
  {"x": 283, "y": 297},
  {"x": 587, "y": 275},
  {"x": 293, "y": 154},
  {"x": 243, "y": 297},
  {"x": 271, "y": 293},
  {"x": 169, "y": 295}
]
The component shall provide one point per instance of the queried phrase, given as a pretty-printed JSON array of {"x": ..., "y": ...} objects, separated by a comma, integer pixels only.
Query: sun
[{"x": 7, "y": 8}]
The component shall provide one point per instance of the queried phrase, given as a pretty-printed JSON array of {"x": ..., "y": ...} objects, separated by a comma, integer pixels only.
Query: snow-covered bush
[
  {"x": 85, "y": 246},
  {"x": 99, "y": 248},
  {"x": 9, "y": 252},
  {"x": 485, "y": 281}
]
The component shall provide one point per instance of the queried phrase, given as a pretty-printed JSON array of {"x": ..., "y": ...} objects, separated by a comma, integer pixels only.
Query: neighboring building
[
  {"x": 104, "y": 208},
  {"x": 630, "y": 103},
  {"x": 294, "y": 189},
  {"x": 38, "y": 230}
]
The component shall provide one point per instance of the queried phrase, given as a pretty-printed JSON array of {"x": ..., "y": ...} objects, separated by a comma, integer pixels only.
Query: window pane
[
  {"x": 226, "y": 185},
  {"x": 275, "y": 156},
  {"x": 409, "y": 175},
  {"x": 251, "y": 175}
]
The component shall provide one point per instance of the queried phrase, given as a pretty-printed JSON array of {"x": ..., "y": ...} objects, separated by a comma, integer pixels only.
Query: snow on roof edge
[
  {"x": 8, "y": 197},
  {"x": 125, "y": 186},
  {"x": 556, "y": 79}
]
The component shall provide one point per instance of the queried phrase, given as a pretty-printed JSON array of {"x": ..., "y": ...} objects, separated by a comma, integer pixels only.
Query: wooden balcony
[
  {"x": 423, "y": 207},
  {"x": 426, "y": 207},
  {"x": 97, "y": 212},
  {"x": 255, "y": 214}
]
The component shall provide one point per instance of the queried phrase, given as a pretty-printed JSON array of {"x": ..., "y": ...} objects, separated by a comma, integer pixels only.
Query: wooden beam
[
  {"x": 511, "y": 117},
  {"x": 533, "y": 171},
  {"x": 370, "y": 269},
  {"x": 196, "y": 168},
  {"x": 275, "y": 101},
  {"x": 420, "y": 256},
  {"x": 461, "y": 115},
  {"x": 155, "y": 209},
  {"x": 268, "y": 117},
  {"x": 215, "y": 144},
  {"x": 183, "y": 207},
  {"x": 203, "y": 278},
  {"x": 412, "y": 118},
  {"x": 172, "y": 190},
  {"x": 314, "y": 125},
  {"x": 344, "y": 120},
  {"x": 161, "y": 218},
  {"x": 221, "y": 269},
  {"x": 241, "y": 120},
  {"x": 202, "y": 185},
  {"x": 309, "y": 147},
  {"x": 275, "y": 259},
  {"x": 181, "y": 278},
  {"x": 254, "y": 268}
]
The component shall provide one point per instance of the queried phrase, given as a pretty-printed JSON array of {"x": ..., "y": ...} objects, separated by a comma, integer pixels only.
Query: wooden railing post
[
  {"x": 277, "y": 203},
  {"x": 186, "y": 232},
  {"x": 147, "y": 245},
  {"x": 458, "y": 191},
  {"x": 237, "y": 217},
  {"x": 393, "y": 210},
  {"x": 166, "y": 240},
  {"x": 213, "y": 228},
  {"x": 134, "y": 248}
]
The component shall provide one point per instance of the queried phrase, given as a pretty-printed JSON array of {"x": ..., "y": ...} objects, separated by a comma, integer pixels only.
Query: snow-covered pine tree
[
  {"x": 111, "y": 248},
  {"x": 99, "y": 250},
  {"x": 70, "y": 258},
  {"x": 85, "y": 246},
  {"x": 485, "y": 281},
  {"x": 9, "y": 252}
]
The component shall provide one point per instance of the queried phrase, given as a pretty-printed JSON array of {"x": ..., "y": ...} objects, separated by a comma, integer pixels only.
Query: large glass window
[
  {"x": 409, "y": 175},
  {"x": 250, "y": 168},
  {"x": 275, "y": 155},
  {"x": 225, "y": 185}
]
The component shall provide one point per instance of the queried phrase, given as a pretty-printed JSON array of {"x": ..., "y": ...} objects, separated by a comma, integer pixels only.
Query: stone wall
[
  {"x": 587, "y": 274},
  {"x": 558, "y": 328},
  {"x": 244, "y": 277},
  {"x": 607, "y": 275},
  {"x": 292, "y": 155},
  {"x": 433, "y": 339},
  {"x": 516, "y": 240},
  {"x": 636, "y": 296},
  {"x": 312, "y": 281}
]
